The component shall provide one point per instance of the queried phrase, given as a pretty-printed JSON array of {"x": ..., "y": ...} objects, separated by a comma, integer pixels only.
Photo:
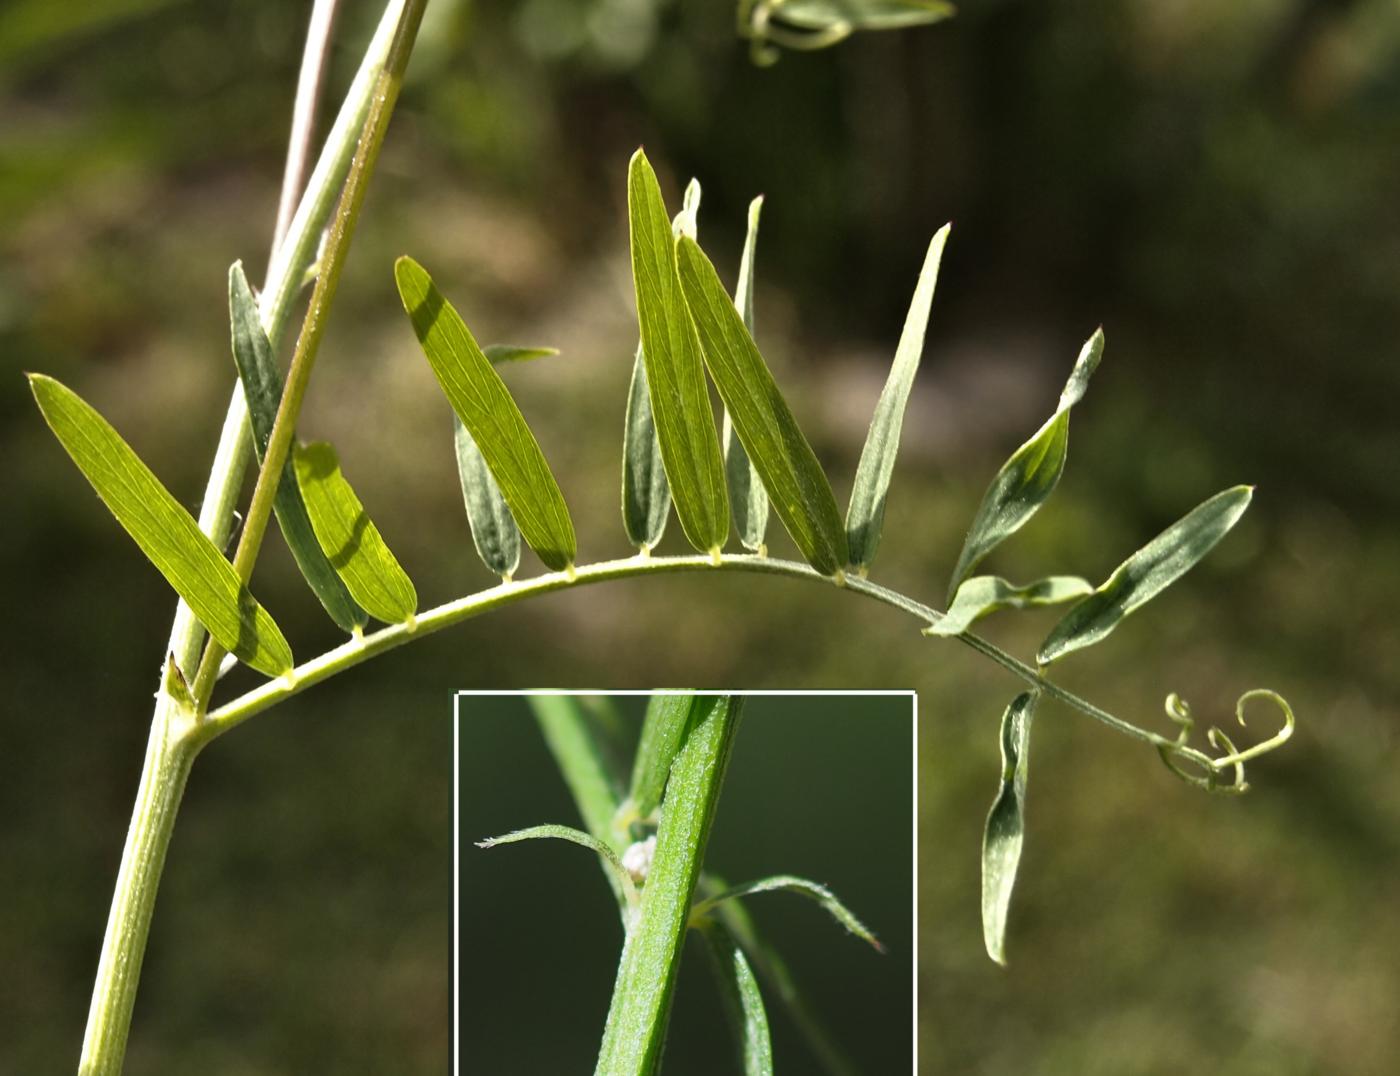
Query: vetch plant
[{"x": 755, "y": 463}]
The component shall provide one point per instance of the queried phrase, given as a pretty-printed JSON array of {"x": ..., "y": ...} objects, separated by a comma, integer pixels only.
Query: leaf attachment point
[{"x": 164, "y": 530}]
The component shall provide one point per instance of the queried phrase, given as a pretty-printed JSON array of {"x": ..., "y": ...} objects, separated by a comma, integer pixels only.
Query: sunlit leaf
[
  {"x": 800, "y": 492},
  {"x": 862, "y": 14},
  {"x": 742, "y": 999},
  {"x": 1006, "y": 824},
  {"x": 663, "y": 731},
  {"x": 486, "y": 408},
  {"x": 675, "y": 374},
  {"x": 1028, "y": 478},
  {"x": 164, "y": 530},
  {"x": 262, "y": 388},
  {"x": 1147, "y": 573},
  {"x": 748, "y": 500},
  {"x": 494, "y": 532},
  {"x": 802, "y": 887},
  {"x": 646, "y": 495},
  {"x": 866, "y": 515},
  {"x": 983, "y": 594},
  {"x": 348, "y": 538}
]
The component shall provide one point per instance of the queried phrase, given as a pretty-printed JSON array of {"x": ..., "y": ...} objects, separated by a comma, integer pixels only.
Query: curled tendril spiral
[
  {"x": 756, "y": 22},
  {"x": 1233, "y": 758}
]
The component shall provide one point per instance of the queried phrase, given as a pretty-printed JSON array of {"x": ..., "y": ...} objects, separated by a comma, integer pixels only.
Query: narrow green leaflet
[
  {"x": 262, "y": 388},
  {"x": 675, "y": 373},
  {"x": 748, "y": 500},
  {"x": 646, "y": 495},
  {"x": 486, "y": 409},
  {"x": 861, "y": 14},
  {"x": 494, "y": 532},
  {"x": 349, "y": 539},
  {"x": 1006, "y": 824},
  {"x": 663, "y": 731},
  {"x": 164, "y": 530},
  {"x": 983, "y": 594},
  {"x": 866, "y": 514},
  {"x": 785, "y": 461},
  {"x": 574, "y": 836},
  {"x": 1028, "y": 478},
  {"x": 801, "y": 886},
  {"x": 1148, "y": 572},
  {"x": 743, "y": 1002}
]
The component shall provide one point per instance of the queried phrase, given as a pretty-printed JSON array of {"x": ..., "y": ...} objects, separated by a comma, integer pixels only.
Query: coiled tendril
[{"x": 1233, "y": 759}]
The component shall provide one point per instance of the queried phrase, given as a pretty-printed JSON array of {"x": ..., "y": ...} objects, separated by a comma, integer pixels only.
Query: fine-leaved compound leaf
[
  {"x": 1006, "y": 824},
  {"x": 748, "y": 500},
  {"x": 675, "y": 373},
  {"x": 983, "y": 594},
  {"x": 487, "y": 410},
  {"x": 742, "y": 999},
  {"x": 862, "y": 14},
  {"x": 866, "y": 515},
  {"x": 164, "y": 530},
  {"x": 262, "y": 388},
  {"x": 663, "y": 731},
  {"x": 646, "y": 495},
  {"x": 792, "y": 884},
  {"x": 494, "y": 532},
  {"x": 1147, "y": 573},
  {"x": 795, "y": 481},
  {"x": 350, "y": 540},
  {"x": 1028, "y": 478}
]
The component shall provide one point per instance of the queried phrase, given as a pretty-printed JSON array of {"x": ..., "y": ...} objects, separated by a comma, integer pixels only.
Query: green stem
[
  {"x": 169, "y": 755},
  {"x": 646, "y": 974},
  {"x": 172, "y": 746},
  {"x": 356, "y": 651},
  {"x": 347, "y": 214}
]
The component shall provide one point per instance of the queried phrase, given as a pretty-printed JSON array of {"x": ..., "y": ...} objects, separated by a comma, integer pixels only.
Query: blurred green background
[
  {"x": 1214, "y": 183},
  {"x": 818, "y": 786}
]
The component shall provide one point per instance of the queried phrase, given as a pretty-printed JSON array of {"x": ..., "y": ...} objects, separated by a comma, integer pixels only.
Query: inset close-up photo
[{"x": 749, "y": 904}]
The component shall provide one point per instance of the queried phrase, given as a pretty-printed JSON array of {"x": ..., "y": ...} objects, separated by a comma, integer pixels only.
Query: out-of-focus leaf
[
  {"x": 983, "y": 594},
  {"x": 663, "y": 731},
  {"x": 866, "y": 515},
  {"x": 1006, "y": 824},
  {"x": 1028, "y": 478},
  {"x": 743, "y": 1002},
  {"x": 794, "y": 479},
  {"x": 164, "y": 530},
  {"x": 262, "y": 388},
  {"x": 861, "y": 14},
  {"x": 494, "y": 532},
  {"x": 801, "y": 886},
  {"x": 646, "y": 495},
  {"x": 350, "y": 540},
  {"x": 675, "y": 373},
  {"x": 1148, "y": 572},
  {"x": 748, "y": 500},
  {"x": 504, "y": 353},
  {"x": 487, "y": 410}
]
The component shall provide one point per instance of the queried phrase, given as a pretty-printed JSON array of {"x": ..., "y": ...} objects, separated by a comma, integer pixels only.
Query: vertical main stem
[{"x": 169, "y": 756}]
